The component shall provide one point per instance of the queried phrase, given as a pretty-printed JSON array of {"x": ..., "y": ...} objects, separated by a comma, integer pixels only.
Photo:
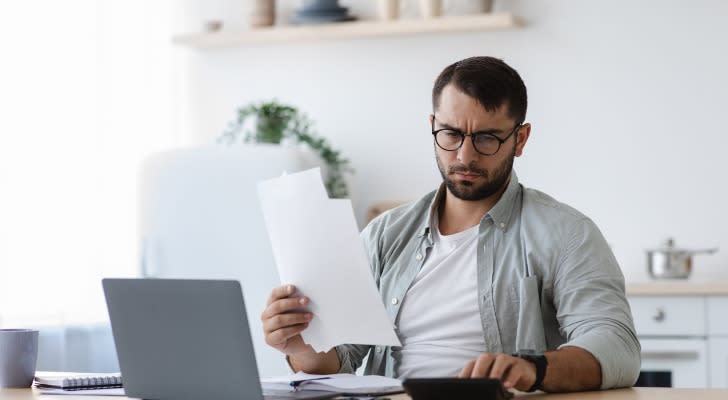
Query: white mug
[{"x": 18, "y": 355}]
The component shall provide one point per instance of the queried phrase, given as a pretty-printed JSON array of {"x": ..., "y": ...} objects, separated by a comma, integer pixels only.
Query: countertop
[{"x": 677, "y": 288}]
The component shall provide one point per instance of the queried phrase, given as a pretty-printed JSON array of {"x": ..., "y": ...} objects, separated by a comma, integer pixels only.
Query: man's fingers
[
  {"x": 501, "y": 365},
  {"x": 467, "y": 369},
  {"x": 280, "y": 292},
  {"x": 512, "y": 377},
  {"x": 283, "y": 306},
  {"x": 512, "y": 371},
  {"x": 285, "y": 320},
  {"x": 482, "y": 366},
  {"x": 280, "y": 336}
]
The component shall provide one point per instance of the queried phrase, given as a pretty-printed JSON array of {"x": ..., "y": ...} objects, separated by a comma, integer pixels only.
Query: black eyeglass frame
[{"x": 472, "y": 137}]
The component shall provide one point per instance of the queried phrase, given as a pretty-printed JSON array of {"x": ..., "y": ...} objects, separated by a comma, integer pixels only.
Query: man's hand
[
  {"x": 283, "y": 321},
  {"x": 514, "y": 372}
]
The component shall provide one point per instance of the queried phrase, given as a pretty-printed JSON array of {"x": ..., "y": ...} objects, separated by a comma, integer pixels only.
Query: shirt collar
[
  {"x": 500, "y": 214},
  {"x": 426, "y": 223},
  {"x": 502, "y": 211}
]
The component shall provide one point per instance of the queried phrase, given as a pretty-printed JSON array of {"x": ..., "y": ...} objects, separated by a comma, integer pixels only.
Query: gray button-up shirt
[{"x": 546, "y": 279}]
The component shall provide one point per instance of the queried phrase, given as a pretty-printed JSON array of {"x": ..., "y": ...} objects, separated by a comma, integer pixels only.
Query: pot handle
[{"x": 704, "y": 251}]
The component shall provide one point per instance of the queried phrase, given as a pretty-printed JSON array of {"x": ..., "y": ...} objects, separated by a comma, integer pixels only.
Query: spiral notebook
[{"x": 77, "y": 381}]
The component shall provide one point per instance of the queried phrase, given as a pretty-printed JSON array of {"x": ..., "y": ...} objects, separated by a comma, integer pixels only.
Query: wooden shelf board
[{"x": 349, "y": 30}]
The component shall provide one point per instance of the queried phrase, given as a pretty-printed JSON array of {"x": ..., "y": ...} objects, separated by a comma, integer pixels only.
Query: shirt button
[
  {"x": 418, "y": 256},
  {"x": 502, "y": 225},
  {"x": 379, "y": 349},
  {"x": 394, "y": 301}
]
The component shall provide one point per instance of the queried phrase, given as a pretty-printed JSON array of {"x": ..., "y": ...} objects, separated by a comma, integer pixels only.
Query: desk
[{"x": 620, "y": 394}]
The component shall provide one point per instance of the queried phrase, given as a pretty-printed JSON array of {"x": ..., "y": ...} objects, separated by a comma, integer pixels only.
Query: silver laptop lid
[{"x": 182, "y": 339}]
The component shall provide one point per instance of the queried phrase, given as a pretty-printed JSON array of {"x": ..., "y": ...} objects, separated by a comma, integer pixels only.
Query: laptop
[{"x": 186, "y": 339}]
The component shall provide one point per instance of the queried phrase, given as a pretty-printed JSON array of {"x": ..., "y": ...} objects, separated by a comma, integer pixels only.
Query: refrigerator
[{"x": 199, "y": 217}]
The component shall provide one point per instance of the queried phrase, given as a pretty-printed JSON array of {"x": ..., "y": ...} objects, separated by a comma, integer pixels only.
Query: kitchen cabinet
[
  {"x": 718, "y": 315},
  {"x": 349, "y": 30},
  {"x": 672, "y": 332},
  {"x": 669, "y": 316},
  {"x": 718, "y": 355},
  {"x": 718, "y": 341},
  {"x": 683, "y": 331},
  {"x": 684, "y": 358}
]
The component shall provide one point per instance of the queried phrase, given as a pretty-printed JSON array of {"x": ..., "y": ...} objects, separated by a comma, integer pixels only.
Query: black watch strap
[{"x": 541, "y": 363}]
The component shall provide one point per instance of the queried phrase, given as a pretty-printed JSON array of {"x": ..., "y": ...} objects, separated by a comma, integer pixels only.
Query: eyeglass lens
[{"x": 451, "y": 140}]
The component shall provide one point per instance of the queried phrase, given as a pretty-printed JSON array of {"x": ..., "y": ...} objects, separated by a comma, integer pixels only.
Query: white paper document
[
  {"x": 340, "y": 383},
  {"x": 316, "y": 247},
  {"x": 83, "y": 392}
]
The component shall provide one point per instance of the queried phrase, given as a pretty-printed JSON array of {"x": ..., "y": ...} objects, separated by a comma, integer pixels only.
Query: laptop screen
[{"x": 182, "y": 339}]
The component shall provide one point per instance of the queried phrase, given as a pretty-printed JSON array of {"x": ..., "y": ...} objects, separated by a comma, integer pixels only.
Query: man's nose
[{"x": 466, "y": 152}]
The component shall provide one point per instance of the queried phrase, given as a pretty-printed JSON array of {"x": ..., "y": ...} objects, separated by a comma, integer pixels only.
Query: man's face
[{"x": 468, "y": 174}]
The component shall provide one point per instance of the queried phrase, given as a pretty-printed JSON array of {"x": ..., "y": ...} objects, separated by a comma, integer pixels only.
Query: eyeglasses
[{"x": 486, "y": 144}]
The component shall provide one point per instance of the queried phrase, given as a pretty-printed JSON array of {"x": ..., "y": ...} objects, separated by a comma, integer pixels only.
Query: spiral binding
[{"x": 89, "y": 382}]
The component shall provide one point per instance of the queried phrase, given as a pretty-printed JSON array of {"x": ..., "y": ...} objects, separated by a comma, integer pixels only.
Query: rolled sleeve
[
  {"x": 592, "y": 308},
  {"x": 619, "y": 358}
]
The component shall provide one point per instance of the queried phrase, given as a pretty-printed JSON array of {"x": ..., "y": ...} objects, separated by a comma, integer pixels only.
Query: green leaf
[{"x": 274, "y": 122}]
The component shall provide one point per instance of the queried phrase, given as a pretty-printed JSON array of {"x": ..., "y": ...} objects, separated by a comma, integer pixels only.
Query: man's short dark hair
[{"x": 489, "y": 80}]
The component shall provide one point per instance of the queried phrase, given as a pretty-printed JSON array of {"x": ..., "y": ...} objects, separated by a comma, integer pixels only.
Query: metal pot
[{"x": 670, "y": 262}]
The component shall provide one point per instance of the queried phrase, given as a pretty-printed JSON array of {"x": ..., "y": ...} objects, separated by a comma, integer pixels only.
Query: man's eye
[
  {"x": 485, "y": 139},
  {"x": 451, "y": 134}
]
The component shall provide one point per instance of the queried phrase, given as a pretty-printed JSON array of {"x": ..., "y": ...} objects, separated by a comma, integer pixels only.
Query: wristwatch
[{"x": 539, "y": 360}]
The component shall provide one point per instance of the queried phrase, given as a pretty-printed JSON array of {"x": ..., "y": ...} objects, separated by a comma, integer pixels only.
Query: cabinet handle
[
  {"x": 659, "y": 315},
  {"x": 671, "y": 355}
]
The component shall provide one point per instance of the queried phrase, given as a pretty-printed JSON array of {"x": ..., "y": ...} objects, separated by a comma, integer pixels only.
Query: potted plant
[{"x": 274, "y": 123}]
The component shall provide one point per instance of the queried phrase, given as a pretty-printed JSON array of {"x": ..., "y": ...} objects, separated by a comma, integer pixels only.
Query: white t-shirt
[{"x": 439, "y": 320}]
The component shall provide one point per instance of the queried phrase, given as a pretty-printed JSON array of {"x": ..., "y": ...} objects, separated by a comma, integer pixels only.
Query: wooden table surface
[{"x": 619, "y": 394}]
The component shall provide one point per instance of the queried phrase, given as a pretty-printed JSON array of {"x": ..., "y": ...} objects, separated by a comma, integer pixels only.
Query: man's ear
[
  {"x": 430, "y": 118},
  {"x": 524, "y": 132}
]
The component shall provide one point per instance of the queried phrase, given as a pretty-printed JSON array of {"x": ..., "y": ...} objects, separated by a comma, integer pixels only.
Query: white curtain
[{"x": 85, "y": 95}]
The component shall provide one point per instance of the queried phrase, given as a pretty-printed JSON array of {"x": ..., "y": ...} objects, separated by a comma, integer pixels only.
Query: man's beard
[{"x": 470, "y": 191}]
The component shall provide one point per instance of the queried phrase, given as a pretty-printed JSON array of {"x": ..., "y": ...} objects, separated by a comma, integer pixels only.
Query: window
[{"x": 85, "y": 94}]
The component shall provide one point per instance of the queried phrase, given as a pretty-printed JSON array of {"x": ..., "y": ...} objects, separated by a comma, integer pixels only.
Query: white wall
[{"x": 626, "y": 102}]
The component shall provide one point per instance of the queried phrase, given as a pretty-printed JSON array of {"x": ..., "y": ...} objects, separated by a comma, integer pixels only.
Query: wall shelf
[{"x": 349, "y": 30}]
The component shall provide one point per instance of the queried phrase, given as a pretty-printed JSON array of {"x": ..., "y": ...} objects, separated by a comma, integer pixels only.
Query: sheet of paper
[
  {"x": 316, "y": 247},
  {"x": 85, "y": 392},
  {"x": 343, "y": 383},
  {"x": 338, "y": 381}
]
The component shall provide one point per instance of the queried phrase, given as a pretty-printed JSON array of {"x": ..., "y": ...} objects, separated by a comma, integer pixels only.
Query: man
[{"x": 483, "y": 277}]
